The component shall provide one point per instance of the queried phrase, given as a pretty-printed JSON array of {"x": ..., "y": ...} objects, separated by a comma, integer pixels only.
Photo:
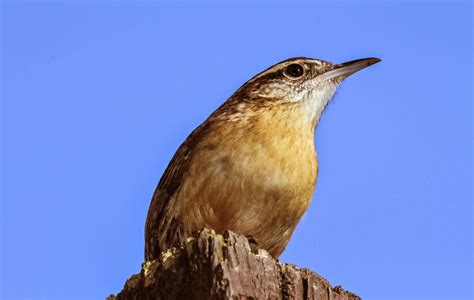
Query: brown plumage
[{"x": 251, "y": 167}]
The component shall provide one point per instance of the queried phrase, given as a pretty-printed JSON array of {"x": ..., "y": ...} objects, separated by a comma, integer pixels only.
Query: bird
[{"x": 251, "y": 167}]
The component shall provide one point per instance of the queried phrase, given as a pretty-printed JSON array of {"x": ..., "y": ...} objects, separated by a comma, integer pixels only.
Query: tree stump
[{"x": 213, "y": 266}]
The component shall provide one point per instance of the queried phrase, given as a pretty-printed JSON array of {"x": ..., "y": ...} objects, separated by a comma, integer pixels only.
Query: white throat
[{"x": 316, "y": 101}]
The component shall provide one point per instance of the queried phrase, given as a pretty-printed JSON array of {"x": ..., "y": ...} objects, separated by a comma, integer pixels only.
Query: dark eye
[{"x": 294, "y": 70}]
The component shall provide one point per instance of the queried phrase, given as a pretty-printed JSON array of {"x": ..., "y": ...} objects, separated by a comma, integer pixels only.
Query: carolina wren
[{"x": 251, "y": 167}]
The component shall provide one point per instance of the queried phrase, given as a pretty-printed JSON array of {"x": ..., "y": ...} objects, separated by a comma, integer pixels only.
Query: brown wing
[{"x": 161, "y": 229}]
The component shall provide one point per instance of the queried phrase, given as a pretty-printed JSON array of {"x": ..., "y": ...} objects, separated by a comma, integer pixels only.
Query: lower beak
[{"x": 344, "y": 70}]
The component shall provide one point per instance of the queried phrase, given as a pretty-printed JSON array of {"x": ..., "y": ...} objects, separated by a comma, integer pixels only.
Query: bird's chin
[{"x": 318, "y": 98}]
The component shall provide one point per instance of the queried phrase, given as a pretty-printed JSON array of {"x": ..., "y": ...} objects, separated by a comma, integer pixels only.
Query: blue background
[{"x": 97, "y": 96}]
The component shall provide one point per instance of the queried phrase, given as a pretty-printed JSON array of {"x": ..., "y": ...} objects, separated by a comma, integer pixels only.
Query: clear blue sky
[{"x": 96, "y": 97}]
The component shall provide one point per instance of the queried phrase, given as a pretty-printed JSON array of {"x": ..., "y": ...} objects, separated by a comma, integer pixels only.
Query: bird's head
[{"x": 301, "y": 82}]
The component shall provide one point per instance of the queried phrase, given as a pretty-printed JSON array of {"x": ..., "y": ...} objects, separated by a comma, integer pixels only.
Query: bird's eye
[{"x": 294, "y": 70}]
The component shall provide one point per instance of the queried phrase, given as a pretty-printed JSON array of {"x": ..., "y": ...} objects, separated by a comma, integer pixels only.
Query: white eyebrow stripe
[{"x": 281, "y": 66}]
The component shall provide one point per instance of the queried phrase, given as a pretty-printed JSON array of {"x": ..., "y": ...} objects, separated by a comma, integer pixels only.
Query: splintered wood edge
[{"x": 292, "y": 283}]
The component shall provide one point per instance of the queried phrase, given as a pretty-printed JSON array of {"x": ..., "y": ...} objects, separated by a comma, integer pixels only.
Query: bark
[{"x": 212, "y": 266}]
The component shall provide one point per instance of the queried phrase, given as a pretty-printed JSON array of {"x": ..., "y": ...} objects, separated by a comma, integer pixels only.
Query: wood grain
[{"x": 213, "y": 266}]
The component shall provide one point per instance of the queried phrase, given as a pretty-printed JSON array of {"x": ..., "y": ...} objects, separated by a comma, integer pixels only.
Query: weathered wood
[{"x": 212, "y": 266}]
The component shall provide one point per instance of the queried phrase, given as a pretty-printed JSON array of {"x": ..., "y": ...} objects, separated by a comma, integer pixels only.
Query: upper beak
[{"x": 344, "y": 70}]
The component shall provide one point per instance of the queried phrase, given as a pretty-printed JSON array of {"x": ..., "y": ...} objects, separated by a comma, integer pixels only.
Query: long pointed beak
[{"x": 344, "y": 70}]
